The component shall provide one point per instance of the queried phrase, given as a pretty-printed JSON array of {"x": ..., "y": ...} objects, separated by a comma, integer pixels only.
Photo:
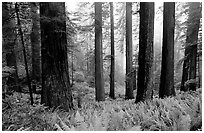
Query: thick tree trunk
[
  {"x": 192, "y": 38},
  {"x": 112, "y": 73},
  {"x": 167, "y": 69},
  {"x": 129, "y": 70},
  {"x": 56, "y": 90},
  {"x": 99, "y": 81},
  {"x": 145, "y": 59},
  {"x": 35, "y": 42}
]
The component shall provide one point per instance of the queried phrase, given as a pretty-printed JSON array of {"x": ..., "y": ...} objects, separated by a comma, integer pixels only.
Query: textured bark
[
  {"x": 167, "y": 68},
  {"x": 56, "y": 90},
  {"x": 112, "y": 73},
  {"x": 145, "y": 58},
  {"x": 192, "y": 38},
  {"x": 9, "y": 42},
  {"x": 35, "y": 42},
  {"x": 99, "y": 81},
  {"x": 24, "y": 52},
  {"x": 129, "y": 69}
]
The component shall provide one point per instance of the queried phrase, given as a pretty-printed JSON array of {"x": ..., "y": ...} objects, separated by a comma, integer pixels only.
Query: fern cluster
[
  {"x": 180, "y": 113},
  {"x": 169, "y": 114}
]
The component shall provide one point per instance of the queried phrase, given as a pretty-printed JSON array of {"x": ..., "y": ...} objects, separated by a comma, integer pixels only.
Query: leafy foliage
[{"x": 178, "y": 113}]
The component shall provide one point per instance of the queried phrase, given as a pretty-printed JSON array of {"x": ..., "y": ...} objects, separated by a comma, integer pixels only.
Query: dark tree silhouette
[
  {"x": 99, "y": 81},
  {"x": 129, "y": 70},
  {"x": 56, "y": 90},
  {"x": 112, "y": 73},
  {"x": 145, "y": 58},
  {"x": 167, "y": 68},
  {"x": 35, "y": 42}
]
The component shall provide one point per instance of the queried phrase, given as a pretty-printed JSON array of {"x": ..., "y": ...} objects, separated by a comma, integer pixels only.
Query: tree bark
[
  {"x": 24, "y": 52},
  {"x": 35, "y": 42},
  {"x": 56, "y": 90},
  {"x": 167, "y": 68},
  {"x": 99, "y": 81},
  {"x": 112, "y": 73},
  {"x": 145, "y": 59},
  {"x": 129, "y": 69}
]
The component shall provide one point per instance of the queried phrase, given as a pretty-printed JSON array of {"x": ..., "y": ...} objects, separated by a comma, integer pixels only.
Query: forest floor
[{"x": 180, "y": 113}]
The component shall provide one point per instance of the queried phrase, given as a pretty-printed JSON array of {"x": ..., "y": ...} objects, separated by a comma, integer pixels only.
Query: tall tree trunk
[
  {"x": 24, "y": 52},
  {"x": 35, "y": 43},
  {"x": 112, "y": 73},
  {"x": 9, "y": 40},
  {"x": 56, "y": 90},
  {"x": 192, "y": 38},
  {"x": 99, "y": 81},
  {"x": 145, "y": 59},
  {"x": 167, "y": 68},
  {"x": 129, "y": 70}
]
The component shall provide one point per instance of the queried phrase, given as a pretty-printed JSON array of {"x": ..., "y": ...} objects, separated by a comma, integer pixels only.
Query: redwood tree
[
  {"x": 99, "y": 81},
  {"x": 56, "y": 90},
  {"x": 112, "y": 73},
  {"x": 129, "y": 70},
  {"x": 167, "y": 68},
  {"x": 145, "y": 58},
  {"x": 35, "y": 42}
]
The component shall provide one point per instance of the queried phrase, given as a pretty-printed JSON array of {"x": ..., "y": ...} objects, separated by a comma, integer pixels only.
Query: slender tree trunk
[
  {"x": 192, "y": 38},
  {"x": 72, "y": 56},
  {"x": 99, "y": 81},
  {"x": 56, "y": 90},
  {"x": 185, "y": 73},
  {"x": 24, "y": 52},
  {"x": 145, "y": 59},
  {"x": 129, "y": 69},
  {"x": 167, "y": 69},
  {"x": 112, "y": 73}
]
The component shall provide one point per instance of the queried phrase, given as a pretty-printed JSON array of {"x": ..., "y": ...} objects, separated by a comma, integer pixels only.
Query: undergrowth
[{"x": 178, "y": 113}]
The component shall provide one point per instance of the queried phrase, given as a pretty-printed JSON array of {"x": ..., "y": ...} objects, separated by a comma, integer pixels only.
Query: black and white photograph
[{"x": 101, "y": 65}]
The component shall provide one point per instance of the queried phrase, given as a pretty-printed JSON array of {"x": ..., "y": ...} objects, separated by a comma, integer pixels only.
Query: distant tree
[
  {"x": 9, "y": 42},
  {"x": 99, "y": 81},
  {"x": 167, "y": 68},
  {"x": 35, "y": 42},
  {"x": 112, "y": 73},
  {"x": 189, "y": 65},
  {"x": 145, "y": 58},
  {"x": 192, "y": 39},
  {"x": 129, "y": 69},
  {"x": 56, "y": 90}
]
